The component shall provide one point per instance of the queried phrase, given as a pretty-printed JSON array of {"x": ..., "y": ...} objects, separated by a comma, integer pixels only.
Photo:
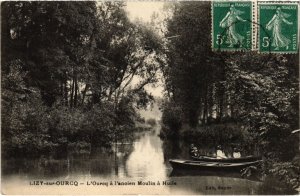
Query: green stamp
[
  {"x": 231, "y": 25},
  {"x": 278, "y": 28}
]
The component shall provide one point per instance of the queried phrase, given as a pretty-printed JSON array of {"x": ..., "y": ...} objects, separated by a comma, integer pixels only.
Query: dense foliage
[
  {"x": 189, "y": 73},
  {"x": 207, "y": 92},
  {"x": 67, "y": 72}
]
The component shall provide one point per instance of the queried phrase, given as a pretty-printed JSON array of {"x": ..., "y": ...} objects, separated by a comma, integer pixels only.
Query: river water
[{"x": 140, "y": 167}]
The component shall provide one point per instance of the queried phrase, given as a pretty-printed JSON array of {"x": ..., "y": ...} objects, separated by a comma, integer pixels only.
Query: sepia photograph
[{"x": 150, "y": 97}]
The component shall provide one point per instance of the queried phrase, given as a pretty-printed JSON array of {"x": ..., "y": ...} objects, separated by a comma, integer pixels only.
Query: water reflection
[{"x": 145, "y": 159}]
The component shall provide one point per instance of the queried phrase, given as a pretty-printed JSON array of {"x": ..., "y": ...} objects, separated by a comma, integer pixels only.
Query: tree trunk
[
  {"x": 84, "y": 93},
  {"x": 205, "y": 106},
  {"x": 201, "y": 111},
  {"x": 75, "y": 91},
  {"x": 66, "y": 92},
  {"x": 61, "y": 85},
  {"x": 72, "y": 93},
  {"x": 225, "y": 104},
  {"x": 232, "y": 114},
  {"x": 210, "y": 102},
  {"x": 221, "y": 102}
]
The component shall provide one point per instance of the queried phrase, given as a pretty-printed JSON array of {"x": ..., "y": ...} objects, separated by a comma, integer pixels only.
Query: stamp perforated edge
[
  {"x": 255, "y": 25},
  {"x": 291, "y": 2},
  {"x": 212, "y": 26}
]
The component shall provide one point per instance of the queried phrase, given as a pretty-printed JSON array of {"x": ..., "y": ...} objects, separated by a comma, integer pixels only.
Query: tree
[
  {"x": 264, "y": 88},
  {"x": 79, "y": 57},
  {"x": 189, "y": 71}
]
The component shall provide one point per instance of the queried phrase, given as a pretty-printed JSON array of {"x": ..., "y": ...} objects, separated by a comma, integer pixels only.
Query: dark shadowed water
[{"x": 140, "y": 167}]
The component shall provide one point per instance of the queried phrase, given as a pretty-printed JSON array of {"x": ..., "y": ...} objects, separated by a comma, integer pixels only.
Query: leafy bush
[
  {"x": 273, "y": 186},
  {"x": 30, "y": 128},
  {"x": 24, "y": 121},
  {"x": 171, "y": 119},
  {"x": 287, "y": 172}
]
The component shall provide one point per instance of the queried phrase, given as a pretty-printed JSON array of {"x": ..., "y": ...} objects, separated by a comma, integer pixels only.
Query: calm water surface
[{"x": 145, "y": 161}]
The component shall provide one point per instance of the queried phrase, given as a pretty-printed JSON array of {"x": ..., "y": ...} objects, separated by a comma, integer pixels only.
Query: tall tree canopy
[
  {"x": 75, "y": 57},
  {"x": 189, "y": 70}
]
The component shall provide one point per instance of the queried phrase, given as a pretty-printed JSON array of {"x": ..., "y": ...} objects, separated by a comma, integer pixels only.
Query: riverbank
[{"x": 236, "y": 136}]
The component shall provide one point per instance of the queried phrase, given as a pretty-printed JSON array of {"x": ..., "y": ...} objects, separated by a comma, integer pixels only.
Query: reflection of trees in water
[
  {"x": 56, "y": 168},
  {"x": 101, "y": 163},
  {"x": 106, "y": 164},
  {"x": 123, "y": 153},
  {"x": 147, "y": 158},
  {"x": 35, "y": 167},
  {"x": 103, "y": 166},
  {"x": 154, "y": 141},
  {"x": 173, "y": 149}
]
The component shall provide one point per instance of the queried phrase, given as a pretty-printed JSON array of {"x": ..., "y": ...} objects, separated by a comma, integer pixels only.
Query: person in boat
[
  {"x": 220, "y": 153},
  {"x": 236, "y": 153},
  {"x": 194, "y": 150}
]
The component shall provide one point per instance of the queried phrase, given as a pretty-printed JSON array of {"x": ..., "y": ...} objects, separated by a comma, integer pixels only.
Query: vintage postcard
[{"x": 150, "y": 97}]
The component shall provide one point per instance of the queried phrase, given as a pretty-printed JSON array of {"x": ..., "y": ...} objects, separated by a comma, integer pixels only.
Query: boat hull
[
  {"x": 227, "y": 160},
  {"x": 209, "y": 166}
]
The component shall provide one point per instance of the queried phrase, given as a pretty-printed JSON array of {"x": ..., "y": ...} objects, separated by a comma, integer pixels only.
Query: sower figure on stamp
[
  {"x": 229, "y": 21},
  {"x": 275, "y": 24}
]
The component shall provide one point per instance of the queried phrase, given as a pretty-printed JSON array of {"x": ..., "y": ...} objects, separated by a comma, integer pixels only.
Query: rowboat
[
  {"x": 226, "y": 160},
  {"x": 209, "y": 166}
]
